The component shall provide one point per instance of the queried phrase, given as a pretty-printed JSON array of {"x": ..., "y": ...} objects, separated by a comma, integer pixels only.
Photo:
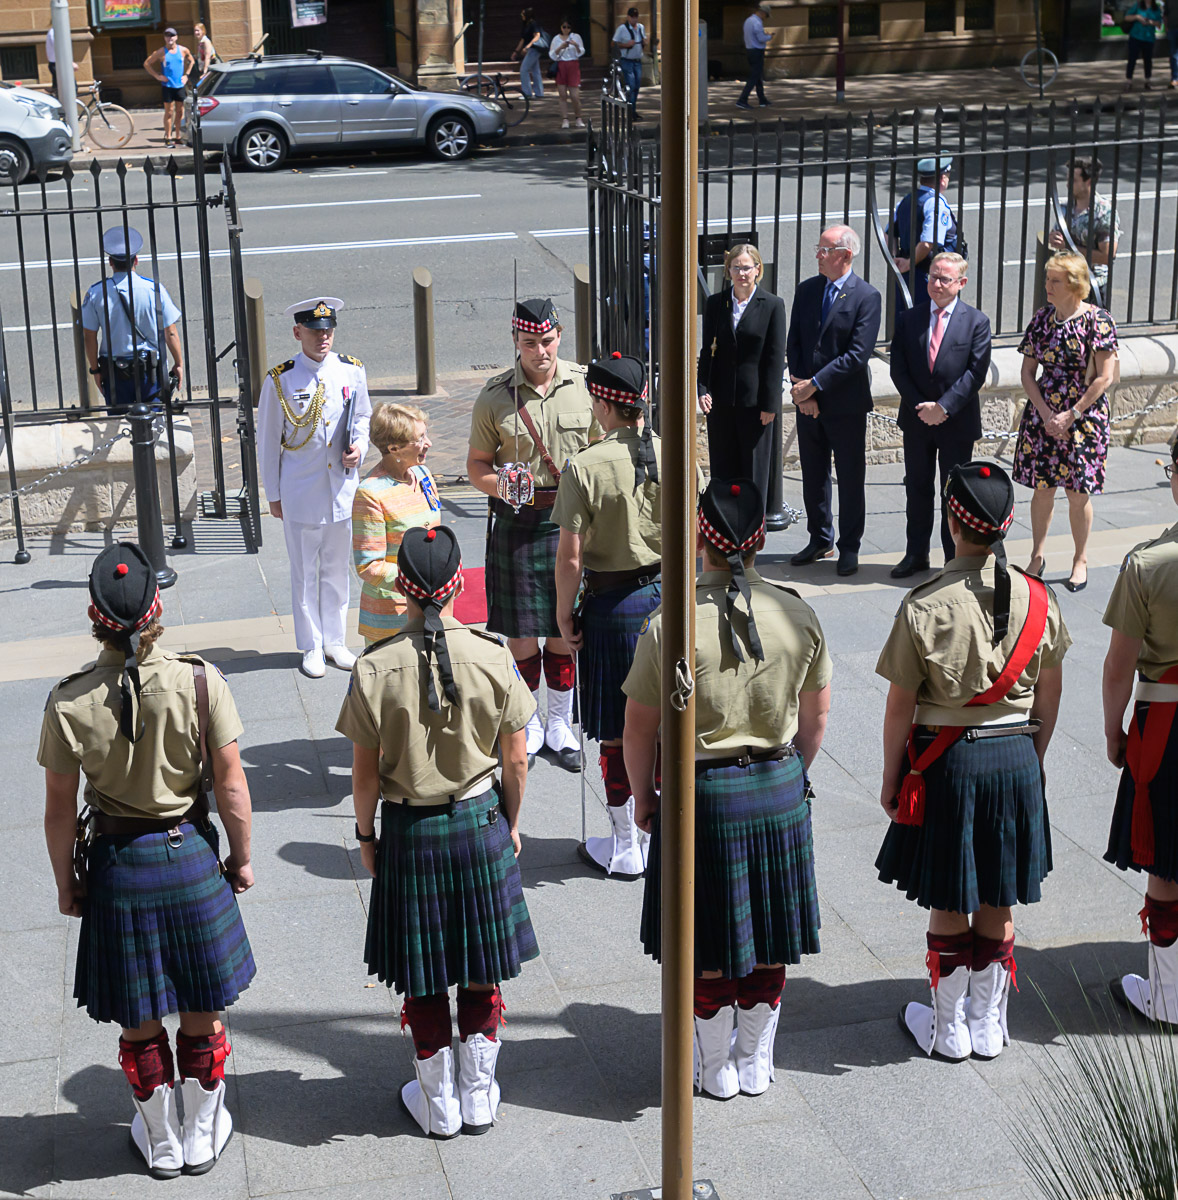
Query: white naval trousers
[{"x": 320, "y": 570}]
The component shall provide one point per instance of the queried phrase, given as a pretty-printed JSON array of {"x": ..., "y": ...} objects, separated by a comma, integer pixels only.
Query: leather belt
[
  {"x": 104, "y": 825},
  {"x": 484, "y": 785},
  {"x": 1166, "y": 693},
  {"x": 975, "y": 733},
  {"x": 597, "y": 582},
  {"x": 706, "y": 762}
]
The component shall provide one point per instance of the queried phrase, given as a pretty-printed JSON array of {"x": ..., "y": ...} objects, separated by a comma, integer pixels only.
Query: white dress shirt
[
  {"x": 738, "y": 307},
  {"x": 932, "y": 318}
]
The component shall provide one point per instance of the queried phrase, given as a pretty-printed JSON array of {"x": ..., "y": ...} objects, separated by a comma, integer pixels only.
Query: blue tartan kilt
[
  {"x": 756, "y": 900},
  {"x": 447, "y": 903},
  {"x": 1163, "y": 800},
  {"x": 161, "y": 931},
  {"x": 520, "y": 574},
  {"x": 985, "y": 838},
  {"x": 611, "y": 622}
]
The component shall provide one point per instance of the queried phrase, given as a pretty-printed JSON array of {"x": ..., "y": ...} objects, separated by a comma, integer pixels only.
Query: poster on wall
[
  {"x": 107, "y": 14},
  {"x": 308, "y": 12}
]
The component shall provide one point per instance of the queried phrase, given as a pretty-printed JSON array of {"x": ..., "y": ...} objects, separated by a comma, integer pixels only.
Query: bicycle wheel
[
  {"x": 482, "y": 86},
  {"x": 515, "y": 108},
  {"x": 83, "y": 118},
  {"x": 111, "y": 126}
]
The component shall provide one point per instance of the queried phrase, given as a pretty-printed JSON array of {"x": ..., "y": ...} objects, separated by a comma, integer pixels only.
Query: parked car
[
  {"x": 260, "y": 109},
  {"x": 32, "y": 133}
]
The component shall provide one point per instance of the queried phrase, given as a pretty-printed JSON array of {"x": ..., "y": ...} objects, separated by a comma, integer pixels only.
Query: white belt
[
  {"x": 936, "y": 715},
  {"x": 1167, "y": 693},
  {"x": 479, "y": 788}
]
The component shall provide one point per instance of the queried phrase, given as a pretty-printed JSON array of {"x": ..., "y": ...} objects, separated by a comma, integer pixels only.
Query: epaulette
[
  {"x": 486, "y": 635},
  {"x": 68, "y": 679},
  {"x": 352, "y": 362},
  {"x": 282, "y": 368},
  {"x": 504, "y": 378},
  {"x": 781, "y": 587},
  {"x": 925, "y": 583},
  {"x": 384, "y": 641},
  {"x": 575, "y": 367}
]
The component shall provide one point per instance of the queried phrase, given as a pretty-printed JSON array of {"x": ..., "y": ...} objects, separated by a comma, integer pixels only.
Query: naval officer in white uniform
[{"x": 309, "y": 465}]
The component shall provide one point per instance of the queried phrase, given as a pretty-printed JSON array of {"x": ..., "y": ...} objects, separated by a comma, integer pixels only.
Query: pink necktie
[{"x": 935, "y": 340}]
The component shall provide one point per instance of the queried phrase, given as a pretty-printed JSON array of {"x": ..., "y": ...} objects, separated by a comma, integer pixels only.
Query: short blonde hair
[
  {"x": 953, "y": 259},
  {"x": 392, "y": 425},
  {"x": 199, "y": 30},
  {"x": 751, "y": 251},
  {"x": 1075, "y": 269}
]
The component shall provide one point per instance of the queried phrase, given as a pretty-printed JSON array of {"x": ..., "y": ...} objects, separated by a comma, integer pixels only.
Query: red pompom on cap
[
  {"x": 735, "y": 489},
  {"x": 122, "y": 569},
  {"x": 984, "y": 472},
  {"x": 616, "y": 354},
  {"x": 430, "y": 534}
]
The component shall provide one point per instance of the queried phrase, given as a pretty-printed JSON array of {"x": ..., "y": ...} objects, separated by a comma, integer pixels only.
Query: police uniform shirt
[
  {"x": 740, "y": 704},
  {"x": 563, "y": 417},
  {"x": 1144, "y": 603},
  {"x": 428, "y": 755},
  {"x": 310, "y": 481},
  {"x": 941, "y": 644},
  {"x": 156, "y": 776},
  {"x": 110, "y": 314},
  {"x": 934, "y": 223}
]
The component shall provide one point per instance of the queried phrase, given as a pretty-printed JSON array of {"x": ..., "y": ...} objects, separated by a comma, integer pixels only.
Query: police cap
[
  {"x": 122, "y": 245},
  {"x": 319, "y": 312},
  {"x": 928, "y": 166}
]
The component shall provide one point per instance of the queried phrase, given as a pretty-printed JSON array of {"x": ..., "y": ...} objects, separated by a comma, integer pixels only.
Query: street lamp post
[{"x": 63, "y": 47}]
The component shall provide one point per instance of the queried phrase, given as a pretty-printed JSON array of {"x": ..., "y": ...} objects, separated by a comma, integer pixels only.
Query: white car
[{"x": 32, "y": 133}]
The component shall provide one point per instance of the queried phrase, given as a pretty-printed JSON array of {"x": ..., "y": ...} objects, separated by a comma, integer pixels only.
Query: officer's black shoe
[
  {"x": 811, "y": 553},
  {"x": 567, "y": 759},
  {"x": 909, "y": 565},
  {"x": 531, "y": 761},
  {"x": 848, "y": 562}
]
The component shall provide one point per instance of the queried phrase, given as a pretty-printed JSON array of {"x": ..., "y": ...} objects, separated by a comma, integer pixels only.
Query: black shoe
[
  {"x": 531, "y": 761},
  {"x": 848, "y": 562},
  {"x": 567, "y": 759},
  {"x": 1075, "y": 587},
  {"x": 637, "y": 117},
  {"x": 766, "y": 104},
  {"x": 909, "y": 565},
  {"x": 743, "y": 104},
  {"x": 811, "y": 553}
]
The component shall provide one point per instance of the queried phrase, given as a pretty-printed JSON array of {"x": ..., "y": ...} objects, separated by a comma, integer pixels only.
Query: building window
[
  {"x": 128, "y": 53},
  {"x": 940, "y": 16},
  {"x": 18, "y": 62},
  {"x": 824, "y": 21},
  {"x": 979, "y": 14},
  {"x": 863, "y": 20}
]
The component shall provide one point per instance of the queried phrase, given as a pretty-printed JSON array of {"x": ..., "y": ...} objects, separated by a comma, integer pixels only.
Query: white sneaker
[
  {"x": 580, "y": 123},
  {"x": 564, "y": 124},
  {"x": 155, "y": 1133},
  {"x": 313, "y": 664},
  {"x": 207, "y": 1125},
  {"x": 341, "y": 656}
]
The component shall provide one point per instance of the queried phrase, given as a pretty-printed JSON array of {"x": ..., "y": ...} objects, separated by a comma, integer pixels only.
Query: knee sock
[
  {"x": 479, "y": 1012},
  {"x": 1159, "y": 918},
  {"x": 558, "y": 671},
  {"x": 946, "y": 953},
  {"x": 613, "y": 774},
  {"x": 761, "y": 986},
  {"x": 529, "y": 669},
  {"x": 711, "y": 995},
  {"x": 991, "y": 950},
  {"x": 428, "y": 1018},
  {"x": 147, "y": 1064},
  {"x": 203, "y": 1058}
]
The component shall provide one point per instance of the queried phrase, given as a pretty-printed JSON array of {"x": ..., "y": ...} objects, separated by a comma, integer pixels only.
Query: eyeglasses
[
  {"x": 1168, "y": 471},
  {"x": 945, "y": 279},
  {"x": 823, "y": 251},
  {"x": 742, "y": 270}
]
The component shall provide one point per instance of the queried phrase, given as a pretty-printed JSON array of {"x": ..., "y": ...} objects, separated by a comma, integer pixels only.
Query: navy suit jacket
[
  {"x": 743, "y": 368},
  {"x": 956, "y": 380},
  {"x": 835, "y": 353}
]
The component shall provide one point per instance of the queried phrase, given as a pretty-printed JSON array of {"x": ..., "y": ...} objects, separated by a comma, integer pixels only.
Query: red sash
[
  {"x": 911, "y": 810},
  {"x": 1143, "y": 757}
]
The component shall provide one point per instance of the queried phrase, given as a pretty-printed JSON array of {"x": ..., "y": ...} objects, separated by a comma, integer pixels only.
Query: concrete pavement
[{"x": 855, "y": 1111}]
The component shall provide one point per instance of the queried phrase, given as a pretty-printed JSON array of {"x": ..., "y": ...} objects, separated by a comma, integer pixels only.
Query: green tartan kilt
[{"x": 521, "y": 572}]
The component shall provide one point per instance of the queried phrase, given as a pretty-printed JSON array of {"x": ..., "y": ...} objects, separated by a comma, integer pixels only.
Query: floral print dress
[{"x": 1075, "y": 461}]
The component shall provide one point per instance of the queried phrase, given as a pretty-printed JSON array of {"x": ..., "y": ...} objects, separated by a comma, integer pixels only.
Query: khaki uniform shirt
[
  {"x": 562, "y": 417},
  {"x": 428, "y": 755},
  {"x": 1144, "y": 603},
  {"x": 940, "y": 645},
  {"x": 739, "y": 704},
  {"x": 156, "y": 776}
]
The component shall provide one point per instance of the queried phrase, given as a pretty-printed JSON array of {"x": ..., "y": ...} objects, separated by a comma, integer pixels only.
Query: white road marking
[
  {"x": 32, "y": 328},
  {"x": 1030, "y": 262},
  {"x": 345, "y": 203}
]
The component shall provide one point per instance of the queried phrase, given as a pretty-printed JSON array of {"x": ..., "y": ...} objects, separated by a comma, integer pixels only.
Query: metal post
[
  {"x": 582, "y": 312},
  {"x": 775, "y": 517},
  {"x": 147, "y": 495},
  {"x": 255, "y": 334},
  {"x": 840, "y": 61},
  {"x": 63, "y": 49},
  {"x": 423, "y": 332},
  {"x": 88, "y": 394}
]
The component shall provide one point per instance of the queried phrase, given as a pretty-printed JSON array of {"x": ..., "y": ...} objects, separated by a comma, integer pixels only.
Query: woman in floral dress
[{"x": 1064, "y": 434}]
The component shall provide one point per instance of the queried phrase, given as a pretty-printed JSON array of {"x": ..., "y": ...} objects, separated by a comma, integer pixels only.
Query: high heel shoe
[
  {"x": 1031, "y": 568},
  {"x": 1073, "y": 586}
]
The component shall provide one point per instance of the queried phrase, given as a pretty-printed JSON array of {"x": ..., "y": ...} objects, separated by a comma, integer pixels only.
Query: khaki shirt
[
  {"x": 428, "y": 755},
  {"x": 563, "y": 417},
  {"x": 940, "y": 645},
  {"x": 1144, "y": 603},
  {"x": 156, "y": 776},
  {"x": 739, "y": 704}
]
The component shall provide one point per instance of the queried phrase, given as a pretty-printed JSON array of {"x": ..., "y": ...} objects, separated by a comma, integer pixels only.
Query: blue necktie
[{"x": 828, "y": 298}]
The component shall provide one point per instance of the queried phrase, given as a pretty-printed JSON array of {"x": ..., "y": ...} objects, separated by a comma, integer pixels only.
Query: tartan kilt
[
  {"x": 521, "y": 572},
  {"x": 985, "y": 838},
  {"x": 611, "y": 622},
  {"x": 161, "y": 931},
  {"x": 755, "y": 896},
  {"x": 447, "y": 903},
  {"x": 1163, "y": 799}
]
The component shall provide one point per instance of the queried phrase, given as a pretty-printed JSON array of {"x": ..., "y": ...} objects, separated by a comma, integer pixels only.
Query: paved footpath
[{"x": 318, "y": 1059}]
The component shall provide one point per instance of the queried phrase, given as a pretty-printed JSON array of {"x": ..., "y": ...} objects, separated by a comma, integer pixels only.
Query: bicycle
[
  {"x": 491, "y": 87},
  {"x": 107, "y": 125}
]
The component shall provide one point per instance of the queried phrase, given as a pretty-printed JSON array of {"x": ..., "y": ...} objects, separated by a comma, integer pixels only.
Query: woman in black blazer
[{"x": 741, "y": 367}]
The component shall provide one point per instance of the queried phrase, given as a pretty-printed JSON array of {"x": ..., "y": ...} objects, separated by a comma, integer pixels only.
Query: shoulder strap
[
  {"x": 202, "y": 720},
  {"x": 534, "y": 434},
  {"x": 1029, "y": 639},
  {"x": 129, "y": 311}
]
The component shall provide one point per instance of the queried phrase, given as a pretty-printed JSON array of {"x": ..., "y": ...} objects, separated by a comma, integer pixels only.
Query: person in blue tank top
[{"x": 171, "y": 64}]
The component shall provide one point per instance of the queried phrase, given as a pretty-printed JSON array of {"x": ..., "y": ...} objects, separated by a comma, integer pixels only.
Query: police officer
[
  {"x": 608, "y": 510},
  {"x": 161, "y": 931},
  {"x": 137, "y": 319},
  {"x": 427, "y": 711},
  {"x": 1143, "y": 615},
  {"x": 975, "y": 662},
  {"x": 936, "y": 226},
  {"x": 313, "y": 414},
  {"x": 762, "y": 693},
  {"x": 536, "y": 415}
]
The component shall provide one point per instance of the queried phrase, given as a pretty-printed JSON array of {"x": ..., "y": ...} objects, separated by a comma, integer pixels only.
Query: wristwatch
[{"x": 365, "y": 837}]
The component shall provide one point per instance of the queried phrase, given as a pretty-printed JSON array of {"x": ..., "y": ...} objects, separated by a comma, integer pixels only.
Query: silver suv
[
  {"x": 32, "y": 133},
  {"x": 260, "y": 109}
]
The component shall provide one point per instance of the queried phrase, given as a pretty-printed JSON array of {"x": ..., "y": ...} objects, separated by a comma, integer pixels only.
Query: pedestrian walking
[
  {"x": 397, "y": 495},
  {"x": 975, "y": 666},
  {"x": 160, "y": 932},
  {"x": 206, "y": 52},
  {"x": 526, "y": 421},
  {"x": 1094, "y": 227},
  {"x": 935, "y": 227},
  {"x": 1069, "y": 362},
  {"x": 1142, "y": 613},
  {"x": 528, "y": 50},
  {"x": 762, "y": 694},
  {"x": 313, "y": 415},
  {"x": 630, "y": 41},
  {"x": 567, "y": 50},
  {"x": 428, "y": 711},
  {"x": 1144, "y": 21},
  {"x": 136, "y": 318},
  {"x": 171, "y": 65},
  {"x": 756, "y": 39},
  {"x": 1172, "y": 39}
]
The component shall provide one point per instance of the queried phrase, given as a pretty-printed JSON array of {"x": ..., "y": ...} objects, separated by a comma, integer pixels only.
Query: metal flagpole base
[{"x": 704, "y": 1189}]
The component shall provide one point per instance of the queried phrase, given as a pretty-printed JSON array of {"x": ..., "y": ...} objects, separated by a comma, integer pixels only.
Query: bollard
[
  {"x": 255, "y": 334},
  {"x": 775, "y": 517},
  {"x": 582, "y": 302},
  {"x": 88, "y": 394},
  {"x": 423, "y": 332},
  {"x": 147, "y": 495}
]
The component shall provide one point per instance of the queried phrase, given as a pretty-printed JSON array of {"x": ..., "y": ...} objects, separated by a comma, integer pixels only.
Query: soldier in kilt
[
  {"x": 1143, "y": 615},
  {"x": 538, "y": 415},
  {"x": 762, "y": 689},
  {"x": 975, "y": 662},
  {"x": 610, "y": 519},
  {"x": 427, "y": 711},
  {"x": 161, "y": 932}
]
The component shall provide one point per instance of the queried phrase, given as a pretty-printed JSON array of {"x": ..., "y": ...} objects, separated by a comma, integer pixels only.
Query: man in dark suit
[
  {"x": 832, "y": 333},
  {"x": 940, "y": 356}
]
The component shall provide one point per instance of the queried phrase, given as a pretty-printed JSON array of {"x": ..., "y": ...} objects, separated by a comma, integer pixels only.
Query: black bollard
[
  {"x": 775, "y": 517},
  {"x": 147, "y": 496}
]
